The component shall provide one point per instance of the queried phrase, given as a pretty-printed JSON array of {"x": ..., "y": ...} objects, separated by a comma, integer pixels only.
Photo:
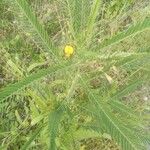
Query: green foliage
[
  {"x": 13, "y": 88},
  {"x": 27, "y": 144},
  {"x": 131, "y": 31},
  {"x": 37, "y": 27},
  {"x": 53, "y": 102},
  {"x": 54, "y": 119}
]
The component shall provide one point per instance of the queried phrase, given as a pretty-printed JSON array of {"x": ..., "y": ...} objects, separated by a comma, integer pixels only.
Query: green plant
[{"x": 78, "y": 97}]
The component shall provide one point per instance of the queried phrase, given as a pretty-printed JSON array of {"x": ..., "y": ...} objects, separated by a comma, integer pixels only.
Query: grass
[{"x": 89, "y": 99}]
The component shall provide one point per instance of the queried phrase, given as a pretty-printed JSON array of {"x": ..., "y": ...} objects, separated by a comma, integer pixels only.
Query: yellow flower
[{"x": 69, "y": 50}]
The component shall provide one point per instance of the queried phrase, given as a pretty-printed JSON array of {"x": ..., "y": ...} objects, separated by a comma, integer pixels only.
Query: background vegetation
[{"x": 97, "y": 99}]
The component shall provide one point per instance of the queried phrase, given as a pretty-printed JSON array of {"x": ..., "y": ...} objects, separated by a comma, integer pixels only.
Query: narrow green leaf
[
  {"x": 39, "y": 29},
  {"x": 54, "y": 120},
  {"x": 127, "y": 89},
  {"x": 85, "y": 134},
  {"x": 113, "y": 126},
  {"x": 27, "y": 144},
  {"x": 92, "y": 18},
  {"x": 122, "y": 108},
  {"x": 13, "y": 88},
  {"x": 133, "y": 30}
]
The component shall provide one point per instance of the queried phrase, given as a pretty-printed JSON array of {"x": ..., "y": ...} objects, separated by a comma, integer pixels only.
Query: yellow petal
[{"x": 69, "y": 50}]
